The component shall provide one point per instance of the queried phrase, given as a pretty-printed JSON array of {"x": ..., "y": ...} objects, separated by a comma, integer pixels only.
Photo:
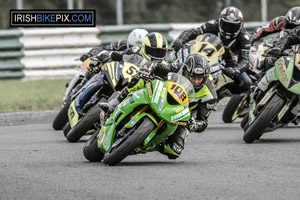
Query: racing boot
[
  {"x": 175, "y": 143},
  {"x": 109, "y": 107},
  {"x": 223, "y": 92}
]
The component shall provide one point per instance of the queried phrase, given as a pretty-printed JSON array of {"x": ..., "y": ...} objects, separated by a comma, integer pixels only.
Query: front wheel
[
  {"x": 86, "y": 123},
  {"x": 234, "y": 107},
  {"x": 66, "y": 129},
  {"x": 256, "y": 129},
  {"x": 61, "y": 117},
  {"x": 90, "y": 149},
  {"x": 244, "y": 121},
  {"x": 120, "y": 151}
]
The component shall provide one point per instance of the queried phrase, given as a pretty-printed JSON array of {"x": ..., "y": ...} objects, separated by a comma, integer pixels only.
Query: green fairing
[
  {"x": 159, "y": 104},
  {"x": 282, "y": 72},
  {"x": 152, "y": 142}
]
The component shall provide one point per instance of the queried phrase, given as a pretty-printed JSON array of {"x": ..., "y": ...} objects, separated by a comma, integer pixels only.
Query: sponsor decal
[
  {"x": 282, "y": 112},
  {"x": 101, "y": 135},
  {"x": 163, "y": 92},
  {"x": 179, "y": 109},
  {"x": 161, "y": 103},
  {"x": 179, "y": 115},
  {"x": 177, "y": 148},
  {"x": 149, "y": 90},
  {"x": 180, "y": 123},
  {"x": 264, "y": 100},
  {"x": 282, "y": 70}
]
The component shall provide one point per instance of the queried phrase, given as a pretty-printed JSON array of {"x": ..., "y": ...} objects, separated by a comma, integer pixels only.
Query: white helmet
[{"x": 136, "y": 37}]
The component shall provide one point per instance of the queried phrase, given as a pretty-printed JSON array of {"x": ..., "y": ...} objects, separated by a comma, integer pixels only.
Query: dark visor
[
  {"x": 153, "y": 52},
  {"x": 230, "y": 27}
]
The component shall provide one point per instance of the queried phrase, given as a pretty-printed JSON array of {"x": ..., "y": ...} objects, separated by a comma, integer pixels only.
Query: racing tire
[
  {"x": 117, "y": 153},
  {"x": 234, "y": 108},
  {"x": 244, "y": 121},
  {"x": 66, "y": 129},
  {"x": 86, "y": 123},
  {"x": 61, "y": 117},
  {"x": 257, "y": 127},
  {"x": 90, "y": 149}
]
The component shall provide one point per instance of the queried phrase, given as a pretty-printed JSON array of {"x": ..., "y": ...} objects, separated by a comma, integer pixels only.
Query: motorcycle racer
[
  {"x": 289, "y": 21},
  {"x": 230, "y": 29},
  {"x": 281, "y": 45},
  {"x": 197, "y": 70}
]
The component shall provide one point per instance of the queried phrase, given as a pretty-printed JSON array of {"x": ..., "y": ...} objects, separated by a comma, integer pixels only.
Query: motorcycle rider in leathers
[
  {"x": 281, "y": 45},
  {"x": 199, "y": 75},
  {"x": 135, "y": 39},
  {"x": 230, "y": 29},
  {"x": 289, "y": 21}
]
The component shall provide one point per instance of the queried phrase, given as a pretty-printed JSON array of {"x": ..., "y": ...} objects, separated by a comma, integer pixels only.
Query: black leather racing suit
[{"x": 236, "y": 53}]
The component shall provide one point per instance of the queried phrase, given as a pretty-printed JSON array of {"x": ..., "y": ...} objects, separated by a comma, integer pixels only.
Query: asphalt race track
[{"x": 38, "y": 163}]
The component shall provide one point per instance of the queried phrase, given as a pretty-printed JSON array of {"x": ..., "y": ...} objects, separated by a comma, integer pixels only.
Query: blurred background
[
  {"x": 113, "y": 12},
  {"x": 35, "y": 63}
]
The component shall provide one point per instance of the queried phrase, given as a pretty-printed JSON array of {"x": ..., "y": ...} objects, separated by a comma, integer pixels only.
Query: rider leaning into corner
[
  {"x": 195, "y": 68},
  {"x": 135, "y": 39},
  {"x": 289, "y": 21},
  {"x": 230, "y": 29},
  {"x": 282, "y": 44}
]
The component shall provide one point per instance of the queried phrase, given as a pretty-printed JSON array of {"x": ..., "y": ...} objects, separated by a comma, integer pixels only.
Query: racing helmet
[
  {"x": 154, "y": 47},
  {"x": 293, "y": 16},
  {"x": 197, "y": 69},
  {"x": 231, "y": 22},
  {"x": 136, "y": 37}
]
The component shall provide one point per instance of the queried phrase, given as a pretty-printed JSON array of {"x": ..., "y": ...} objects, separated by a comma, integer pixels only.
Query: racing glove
[
  {"x": 89, "y": 54},
  {"x": 84, "y": 57},
  {"x": 145, "y": 75},
  {"x": 274, "y": 51},
  {"x": 104, "y": 57},
  {"x": 231, "y": 72},
  {"x": 178, "y": 43},
  {"x": 197, "y": 126},
  {"x": 116, "y": 56}
]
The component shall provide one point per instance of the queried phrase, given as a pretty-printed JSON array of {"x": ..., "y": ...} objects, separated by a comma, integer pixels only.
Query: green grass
[
  {"x": 37, "y": 95},
  {"x": 34, "y": 95}
]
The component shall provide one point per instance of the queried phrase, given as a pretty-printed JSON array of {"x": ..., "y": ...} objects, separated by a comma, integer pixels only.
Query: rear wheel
[
  {"x": 234, "y": 107},
  {"x": 256, "y": 129},
  {"x": 129, "y": 143},
  {"x": 86, "y": 123},
  {"x": 90, "y": 149}
]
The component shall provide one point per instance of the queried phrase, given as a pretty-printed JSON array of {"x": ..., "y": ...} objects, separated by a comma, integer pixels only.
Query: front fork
[{"x": 261, "y": 103}]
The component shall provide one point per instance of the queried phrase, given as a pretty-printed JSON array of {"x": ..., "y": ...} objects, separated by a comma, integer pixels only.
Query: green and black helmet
[
  {"x": 293, "y": 16},
  {"x": 197, "y": 69}
]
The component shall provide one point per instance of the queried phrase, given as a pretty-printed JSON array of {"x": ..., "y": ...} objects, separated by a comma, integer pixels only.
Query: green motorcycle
[
  {"x": 142, "y": 121},
  {"x": 279, "y": 104}
]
